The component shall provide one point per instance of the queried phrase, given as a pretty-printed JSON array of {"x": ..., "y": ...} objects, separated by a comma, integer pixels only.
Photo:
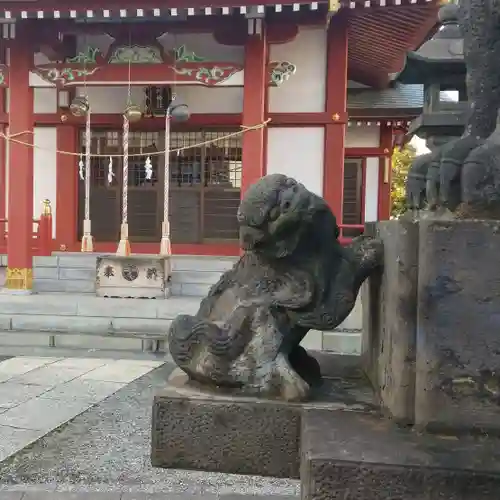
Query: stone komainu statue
[
  {"x": 464, "y": 175},
  {"x": 293, "y": 276}
]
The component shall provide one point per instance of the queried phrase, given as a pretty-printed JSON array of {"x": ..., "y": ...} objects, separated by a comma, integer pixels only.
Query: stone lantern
[{"x": 439, "y": 66}]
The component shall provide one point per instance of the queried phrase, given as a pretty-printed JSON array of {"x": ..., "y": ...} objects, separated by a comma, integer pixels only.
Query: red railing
[
  {"x": 344, "y": 239},
  {"x": 42, "y": 235}
]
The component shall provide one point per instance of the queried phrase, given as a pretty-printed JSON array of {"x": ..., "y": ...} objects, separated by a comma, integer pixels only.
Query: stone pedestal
[
  {"x": 431, "y": 342},
  {"x": 356, "y": 456},
  {"x": 195, "y": 429},
  {"x": 133, "y": 276},
  {"x": 389, "y": 319},
  {"x": 458, "y": 341}
]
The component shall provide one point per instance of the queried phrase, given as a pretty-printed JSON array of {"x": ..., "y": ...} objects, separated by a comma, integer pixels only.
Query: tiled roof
[{"x": 399, "y": 97}]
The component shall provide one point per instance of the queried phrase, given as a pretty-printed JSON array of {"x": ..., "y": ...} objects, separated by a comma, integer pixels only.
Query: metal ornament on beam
[
  {"x": 133, "y": 113},
  {"x": 79, "y": 106}
]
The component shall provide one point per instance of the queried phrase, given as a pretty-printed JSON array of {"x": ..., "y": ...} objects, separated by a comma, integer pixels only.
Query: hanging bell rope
[
  {"x": 81, "y": 107},
  {"x": 124, "y": 244},
  {"x": 87, "y": 240},
  {"x": 165, "y": 244},
  {"x": 132, "y": 113}
]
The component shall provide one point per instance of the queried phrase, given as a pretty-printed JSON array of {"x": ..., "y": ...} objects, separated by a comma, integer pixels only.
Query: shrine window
[{"x": 352, "y": 203}]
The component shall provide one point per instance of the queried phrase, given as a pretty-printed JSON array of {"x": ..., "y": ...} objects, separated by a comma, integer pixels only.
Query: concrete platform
[
  {"x": 363, "y": 457},
  {"x": 213, "y": 431}
]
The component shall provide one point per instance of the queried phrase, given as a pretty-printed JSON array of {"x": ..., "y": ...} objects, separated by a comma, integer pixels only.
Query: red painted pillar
[
  {"x": 255, "y": 87},
  {"x": 336, "y": 107},
  {"x": 385, "y": 173},
  {"x": 67, "y": 188},
  {"x": 3, "y": 160},
  {"x": 20, "y": 224}
]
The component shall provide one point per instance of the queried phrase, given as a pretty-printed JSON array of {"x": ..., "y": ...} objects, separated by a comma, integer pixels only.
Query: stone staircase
[
  {"x": 65, "y": 272},
  {"x": 86, "y": 322},
  {"x": 65, "y": 316}
]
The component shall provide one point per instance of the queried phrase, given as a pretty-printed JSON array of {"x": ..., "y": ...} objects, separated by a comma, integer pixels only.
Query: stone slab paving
[
  {"x": 39, "y": 394},
  {"x": 106, "y": 449}
]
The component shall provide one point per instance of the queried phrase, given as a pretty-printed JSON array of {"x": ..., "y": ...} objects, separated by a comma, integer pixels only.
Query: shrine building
[{"x": 303, "y": 89}]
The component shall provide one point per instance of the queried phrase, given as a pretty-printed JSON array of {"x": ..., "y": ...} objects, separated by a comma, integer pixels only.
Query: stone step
[
  {"x": 58, "y": 305},
  {"x": 104, "y": 326},
  {"x": 207, "y": 263},
  {"x": 88, "y": 322},
  {"x": 342, "y": 341},
  {"x": 190, "y": 289},
  {"x": 364, "y": 456},
  {"x": 42, "y": 285},
  {"x": 23, "y": 342},
  {"x": 24, "y": 348}
]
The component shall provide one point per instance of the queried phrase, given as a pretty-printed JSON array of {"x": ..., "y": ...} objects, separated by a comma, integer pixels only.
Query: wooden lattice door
[
  {"x": 222, "y": 186},
  {"x": 105, "y": 190},
  {"x": 145, "y": 192},
  {"x": 205, "y": 185}
]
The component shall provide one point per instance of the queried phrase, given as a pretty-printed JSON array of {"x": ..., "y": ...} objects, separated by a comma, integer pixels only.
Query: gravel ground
[{"x": 107, "y": 449}]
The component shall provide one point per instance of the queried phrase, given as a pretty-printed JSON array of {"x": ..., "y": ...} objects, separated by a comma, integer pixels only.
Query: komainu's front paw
[
  {"x": 415, "y": 182},
  {"x": 293, "y": 387},
  {"x": 453, "y": 157}
]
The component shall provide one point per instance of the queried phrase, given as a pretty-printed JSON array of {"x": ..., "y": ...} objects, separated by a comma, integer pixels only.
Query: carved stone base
[
  {"x": 432, "y": 323},
  {"x": 219, "y": 432},
  {"x": 133, "y": 276}
]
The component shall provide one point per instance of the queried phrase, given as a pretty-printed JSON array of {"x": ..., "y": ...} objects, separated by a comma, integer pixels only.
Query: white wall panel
[
  {"x": 364, "y": 136},
  {"x": 371, "y": 189},
  {"x": 298, "y": 153},
  {"x": 304, "y": 92},
  {"x": 45, "y": 100}
]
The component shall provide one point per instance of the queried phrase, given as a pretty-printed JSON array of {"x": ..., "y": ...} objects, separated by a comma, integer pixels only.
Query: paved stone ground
[
  {"x": 38, "y": 394},
  {"x": 106, "y": 449}
]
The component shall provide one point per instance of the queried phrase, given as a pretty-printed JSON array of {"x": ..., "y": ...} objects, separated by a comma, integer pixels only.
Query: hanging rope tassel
[
  {"x": 111, "y": 174},
  {"x": 124, "y": 245},
  {"x": 87, "y": 240},
  {"x": 165, "y": 245},
  {"x": 81, "y": 165},
  {"x": 148, "y": 169}
]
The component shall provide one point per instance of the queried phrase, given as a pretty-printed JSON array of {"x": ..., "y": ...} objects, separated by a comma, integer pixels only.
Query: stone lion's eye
[{"x": 286, "y": 205}]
